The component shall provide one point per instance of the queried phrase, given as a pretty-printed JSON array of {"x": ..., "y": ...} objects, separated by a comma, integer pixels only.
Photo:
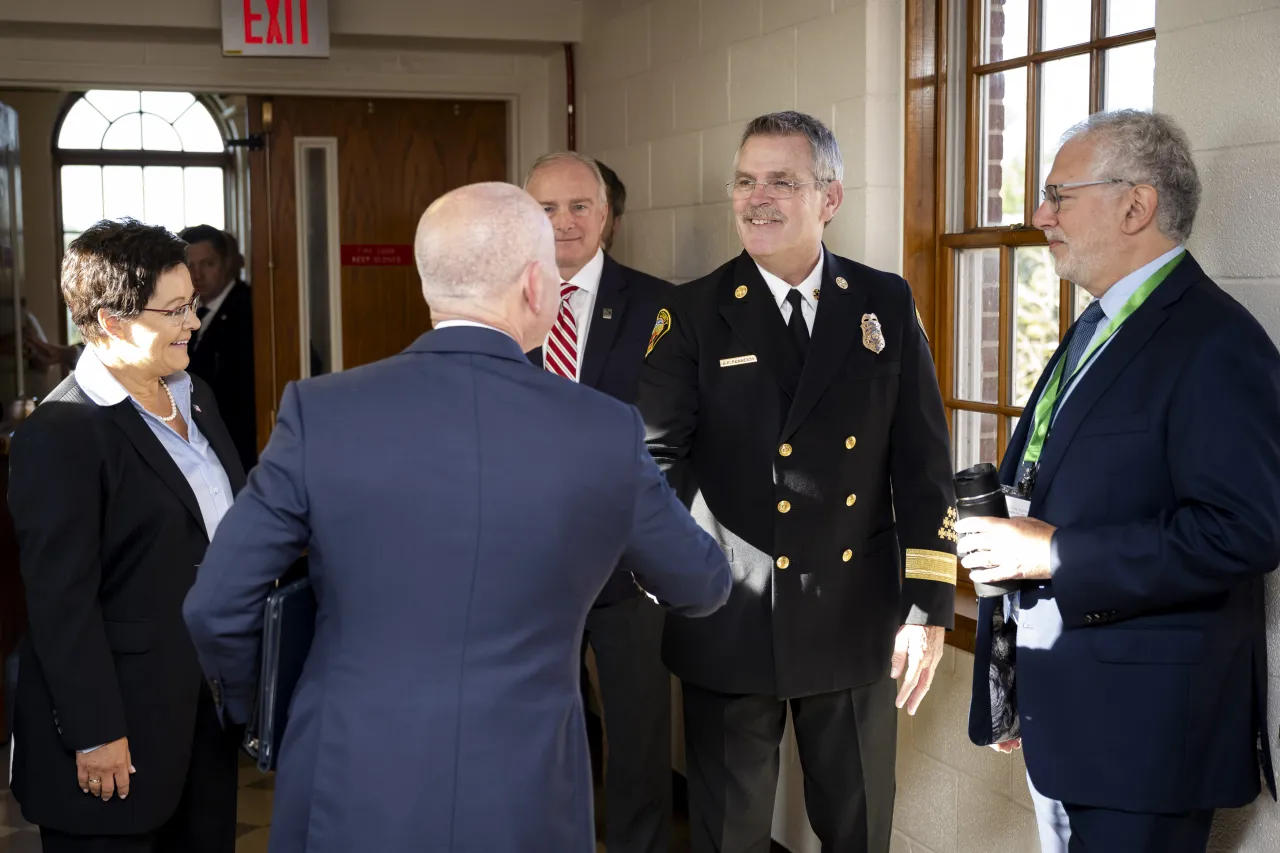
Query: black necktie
[
  {"x": 201, "y": 313},
  {"x": 796, "y": 325}
]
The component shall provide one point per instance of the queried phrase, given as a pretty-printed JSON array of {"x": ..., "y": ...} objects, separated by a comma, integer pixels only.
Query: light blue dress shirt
[
  {"x": 194, "y": 457},
  {"x": 1112, "y": 303}
]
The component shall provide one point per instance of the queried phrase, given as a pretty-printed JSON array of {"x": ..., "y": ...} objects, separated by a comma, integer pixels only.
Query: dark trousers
[
  {"x": 1066, "y": 828},
  {"x": 635, "y": 692},
  {"x": 847, "y": 742},
  {"x": 205, "y": 820}
]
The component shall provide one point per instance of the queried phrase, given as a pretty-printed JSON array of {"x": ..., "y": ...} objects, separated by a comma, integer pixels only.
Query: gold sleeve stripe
[{"x": 931, "y": 566}]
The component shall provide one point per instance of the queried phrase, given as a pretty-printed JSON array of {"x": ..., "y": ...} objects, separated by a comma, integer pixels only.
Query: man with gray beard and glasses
[{"x": 1131, "y": 662}]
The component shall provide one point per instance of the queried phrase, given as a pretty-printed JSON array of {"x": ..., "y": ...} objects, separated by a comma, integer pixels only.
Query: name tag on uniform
[{"x": 734, "y": 362}]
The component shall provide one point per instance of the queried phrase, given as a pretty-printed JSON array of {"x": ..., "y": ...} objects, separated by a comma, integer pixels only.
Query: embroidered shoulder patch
[
  {"x": 947, "y": 532},
  {"x": 920, "y": 320},
  {"x": 660, "y": 328}
]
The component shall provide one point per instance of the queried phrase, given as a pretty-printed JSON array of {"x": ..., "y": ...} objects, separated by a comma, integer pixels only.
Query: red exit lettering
[{"x": 275, "y": 35}]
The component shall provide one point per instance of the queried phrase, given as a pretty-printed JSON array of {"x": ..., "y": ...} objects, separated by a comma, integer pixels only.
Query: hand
[
  {"x": 1008, "y": 746},
  {"x": 1002, "y": 549},
  {"x": 917, "y": 648},
  {"x": 105, "y": 771}
]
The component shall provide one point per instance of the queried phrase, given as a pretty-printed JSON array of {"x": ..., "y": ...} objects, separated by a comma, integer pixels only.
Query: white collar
[
  {"x": 104, "y": 389},
  {"x": 807, "y": 288},
  {"x": 471, "y": 324},
  {"x": 1118, "y": 294},
  {"x": 588, "y": 278},
  {"x": 216, "y": 302}
]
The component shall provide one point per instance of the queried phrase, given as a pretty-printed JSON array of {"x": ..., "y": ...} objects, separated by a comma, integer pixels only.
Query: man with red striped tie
[{"x": 599, "y": 339}]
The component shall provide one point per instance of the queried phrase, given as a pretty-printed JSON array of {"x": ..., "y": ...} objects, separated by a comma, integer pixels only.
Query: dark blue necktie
[{"x": 1086, "y": 326}]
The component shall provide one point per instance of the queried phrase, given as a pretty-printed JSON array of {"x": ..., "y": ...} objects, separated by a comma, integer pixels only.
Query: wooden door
[{"x": 389, "y": 159}]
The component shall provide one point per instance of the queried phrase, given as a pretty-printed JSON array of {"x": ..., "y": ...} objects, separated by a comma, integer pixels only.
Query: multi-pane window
[
  {"x": 159, "y": 157},
  {"x": 1035, "y": 68}
]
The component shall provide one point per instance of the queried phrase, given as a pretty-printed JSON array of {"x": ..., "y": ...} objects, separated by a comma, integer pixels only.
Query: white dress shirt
[
  {"x": 445, "y": 324},
  {"x": 583, "y": 302},
  {"x": 214, "y": 305},
  {"x": 807, "y": 288}
]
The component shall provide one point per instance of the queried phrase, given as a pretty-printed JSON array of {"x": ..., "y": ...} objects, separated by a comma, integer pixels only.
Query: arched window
[{"x": 159, "y": 157}]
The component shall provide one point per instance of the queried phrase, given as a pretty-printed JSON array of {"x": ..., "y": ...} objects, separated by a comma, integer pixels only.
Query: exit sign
[{"x": 275, "y": 27}]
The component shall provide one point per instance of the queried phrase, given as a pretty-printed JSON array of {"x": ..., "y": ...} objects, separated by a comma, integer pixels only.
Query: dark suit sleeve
[
  {"x": 923, "y": 489},
  {"x": 671, "y": 557},
  {"x": 1223, "y": 447},
  {"x": 258, "y": 540},
  {"x": 56, "y": 496},
  {"x": 668, "y": 398}
]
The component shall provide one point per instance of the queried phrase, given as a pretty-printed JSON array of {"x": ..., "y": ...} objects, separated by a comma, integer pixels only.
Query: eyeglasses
[
  {"x": 180, "y": 314},
  {"x": 1052, "y": 192},
  {"x": 743, "y": 187}
]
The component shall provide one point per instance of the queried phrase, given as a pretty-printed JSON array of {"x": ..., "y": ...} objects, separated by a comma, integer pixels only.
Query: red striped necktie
[{"x": 561, "y": 353}]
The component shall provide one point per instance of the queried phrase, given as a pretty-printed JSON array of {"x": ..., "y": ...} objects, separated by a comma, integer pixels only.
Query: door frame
[{"x": 260, "y": 254}]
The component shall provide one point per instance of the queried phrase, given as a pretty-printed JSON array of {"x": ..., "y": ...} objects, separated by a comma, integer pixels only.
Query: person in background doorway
[
  {"x": 117, "y": 482},
  {"x": 617, "y": 199},
  {"x": 605, "y": 313},
  {"x": 222, "y": 350}
]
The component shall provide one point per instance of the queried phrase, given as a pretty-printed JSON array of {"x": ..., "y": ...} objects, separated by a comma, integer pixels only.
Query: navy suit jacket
[
  {"x": 1140, "y": 674},
  {"x": 614, "y": 355},
  {"x": 455, "y": 548}
]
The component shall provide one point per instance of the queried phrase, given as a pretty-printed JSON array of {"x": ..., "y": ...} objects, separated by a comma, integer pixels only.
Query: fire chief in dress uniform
[{"x": 791, "y": 400}]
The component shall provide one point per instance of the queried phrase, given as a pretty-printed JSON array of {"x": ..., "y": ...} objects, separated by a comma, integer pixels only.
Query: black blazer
[
  {"x": 828, "y": 483},
  {"x": 1140, "y": 682},
  {"x": 625, "y": 307},
  {"x": 223, "y": 357},
  {"x": 110, "y": 537}
]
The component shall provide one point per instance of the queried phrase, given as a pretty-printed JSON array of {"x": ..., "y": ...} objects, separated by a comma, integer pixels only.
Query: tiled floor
[{"x": 253, "y": 816}]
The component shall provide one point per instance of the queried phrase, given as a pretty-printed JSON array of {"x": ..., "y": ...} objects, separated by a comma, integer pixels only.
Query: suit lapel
[
  {"x": 1107, "y": 367},
  {"x": 219, "y": 439},
  {"x": 836, "y": 326},
  {"x": 154, "y": 454},
  {"x": 611, "y": 298},
  {"x": 755, "y": 319}
]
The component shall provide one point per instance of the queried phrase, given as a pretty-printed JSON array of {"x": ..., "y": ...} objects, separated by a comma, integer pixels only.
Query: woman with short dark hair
[{"x": 117, "y": 483}]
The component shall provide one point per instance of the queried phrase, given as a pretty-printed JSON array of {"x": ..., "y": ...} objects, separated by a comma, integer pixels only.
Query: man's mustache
[{"x": 763, "y": 212}]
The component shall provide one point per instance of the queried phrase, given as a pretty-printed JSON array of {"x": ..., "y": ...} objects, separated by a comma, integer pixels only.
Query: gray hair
[
  {"x": 575, "y": 157},
  {"x": 1147, "y": 148},
  {"x": 475, "y": 242},
  {"x": 828, "y": 165}
]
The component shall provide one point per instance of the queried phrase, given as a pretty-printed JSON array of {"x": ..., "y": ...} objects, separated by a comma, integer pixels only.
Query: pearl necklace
[{"x": 173, "y": 404}]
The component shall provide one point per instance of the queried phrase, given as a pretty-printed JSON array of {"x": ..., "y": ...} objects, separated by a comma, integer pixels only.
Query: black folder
[{"x": 287, "y": 632}]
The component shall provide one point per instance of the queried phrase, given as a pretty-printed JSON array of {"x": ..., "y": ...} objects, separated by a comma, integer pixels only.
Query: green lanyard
[{"x": 1048, "y": 402}]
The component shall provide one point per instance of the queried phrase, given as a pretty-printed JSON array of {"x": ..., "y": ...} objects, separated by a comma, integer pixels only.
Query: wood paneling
[
  {"x": 394, "y": 158},
  {"x": 923, "y": 203}
]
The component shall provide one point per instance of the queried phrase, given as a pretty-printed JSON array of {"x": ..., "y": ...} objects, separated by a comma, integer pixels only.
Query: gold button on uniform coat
[{"x": 729, "y": 442}]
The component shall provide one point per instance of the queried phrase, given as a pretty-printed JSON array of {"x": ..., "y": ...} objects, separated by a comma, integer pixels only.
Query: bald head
[{"x": 486, "y": 252}]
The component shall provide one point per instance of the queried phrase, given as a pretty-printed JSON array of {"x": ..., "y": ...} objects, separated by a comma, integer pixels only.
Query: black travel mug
[{"x": 978, "y": 494}]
